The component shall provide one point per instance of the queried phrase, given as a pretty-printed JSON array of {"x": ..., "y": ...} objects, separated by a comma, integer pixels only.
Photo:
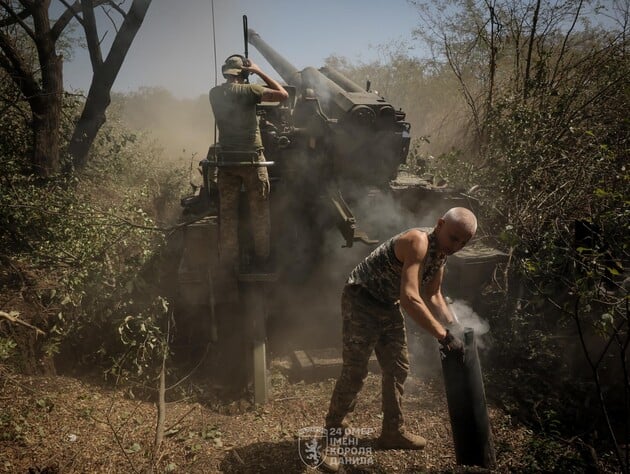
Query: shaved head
[{"x": 461, "y": 217}]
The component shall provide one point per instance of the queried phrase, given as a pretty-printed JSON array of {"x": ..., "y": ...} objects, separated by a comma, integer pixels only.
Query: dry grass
[{"x": 66, "y": 425}]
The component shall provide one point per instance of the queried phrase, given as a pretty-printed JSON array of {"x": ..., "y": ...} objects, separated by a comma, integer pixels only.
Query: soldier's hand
[
  {"x": 265, "y": 185},
  {"x": 266, "y": 188},
  {"x": 452, "y": 344},
  {"x": 250, "y": 66}
]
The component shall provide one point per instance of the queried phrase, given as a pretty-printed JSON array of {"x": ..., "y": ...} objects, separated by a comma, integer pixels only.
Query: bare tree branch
[
  {"x": 24, "y": 14},
  {"x": 115, "y": 433},
  {"x": 19, "y": 18},
  {"x": 15, "y": 66},
  {"x": 116, "y": 7},
  {"x": 565, "y": 41},
  {"x": 530, "y": 48},
  {"x": 470, "y": 100},
  {"x": 71, "y": 12},
  {"x": 91, "y": 34},
  {"x": 161, "y": 403},
  {"x": 14, "y": 319},
  {"x": 113, "y": 22},
  {"x": 61, "y": 23}
]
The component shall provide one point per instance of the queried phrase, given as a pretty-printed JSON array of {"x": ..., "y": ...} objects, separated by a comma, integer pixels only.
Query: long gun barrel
[
  {"x": 287, "y": 71},
  {"x": 310, "y": 77},
  {"x": 362, "y": 136},
  {"x": 341, "y": 80}
]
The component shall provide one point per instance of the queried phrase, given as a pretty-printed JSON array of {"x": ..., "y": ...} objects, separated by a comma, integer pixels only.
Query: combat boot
[
  {"x": 330, "y": 451},
  {"x": 330, "y": 458},
  {"x": 400, "y": 439}
]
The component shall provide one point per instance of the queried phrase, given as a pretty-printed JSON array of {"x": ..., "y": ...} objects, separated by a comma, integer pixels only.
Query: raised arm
[{"x": 274, "y": 92}]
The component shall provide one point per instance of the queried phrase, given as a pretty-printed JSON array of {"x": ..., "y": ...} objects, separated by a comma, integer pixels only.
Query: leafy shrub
[{"x": 92, "y": 244}]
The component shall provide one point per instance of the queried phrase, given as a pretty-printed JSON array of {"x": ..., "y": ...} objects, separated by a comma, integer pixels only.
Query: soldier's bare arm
[
  {"x": 411, "y": 248},
  {"x": 274, "y": 92},
  {"x": 432, "y": 293}
]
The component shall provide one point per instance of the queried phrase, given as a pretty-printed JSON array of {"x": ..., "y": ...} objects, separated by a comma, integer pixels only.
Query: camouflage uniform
[
  {"x": 372, "y": 320},
  {"x": 234, "y": 108},
  {"x": 256, "y": 183}
]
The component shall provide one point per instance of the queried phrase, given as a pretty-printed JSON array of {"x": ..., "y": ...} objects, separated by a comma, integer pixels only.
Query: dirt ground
[{"x": 66, "y": 425}]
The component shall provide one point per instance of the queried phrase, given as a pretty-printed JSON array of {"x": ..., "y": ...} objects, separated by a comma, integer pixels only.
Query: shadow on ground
[
  {"x": 264, "y": 457},
  {"x": 283, "y": 457}
]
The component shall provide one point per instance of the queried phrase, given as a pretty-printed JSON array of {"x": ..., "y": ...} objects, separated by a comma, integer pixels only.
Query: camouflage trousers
[
  {"x": 255, "y": 180},
  {"x": 369, "y": 325}
]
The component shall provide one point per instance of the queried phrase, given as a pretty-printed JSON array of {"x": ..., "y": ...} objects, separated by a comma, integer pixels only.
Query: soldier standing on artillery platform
[
  {"x": 405, "y": 271},
  {"x": 240, "y": 157}
]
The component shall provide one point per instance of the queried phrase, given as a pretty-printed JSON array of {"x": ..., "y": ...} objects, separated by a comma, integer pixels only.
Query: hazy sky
[{"x": 174, "y": 46}]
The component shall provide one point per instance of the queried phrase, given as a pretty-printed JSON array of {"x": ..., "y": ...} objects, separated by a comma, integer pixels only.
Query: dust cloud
[
  {"x": 306, "y": 311},
  {"x": 467, "y": 318},
  {"x": 182, "y": 128},
  {"x": 424, "y": 349},
  {"x": 312, "y": 307},
  {"x": 314, "y": 303}
]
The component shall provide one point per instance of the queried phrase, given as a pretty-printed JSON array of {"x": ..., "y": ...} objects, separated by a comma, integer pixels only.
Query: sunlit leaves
[{"x": 89, "y": 239}]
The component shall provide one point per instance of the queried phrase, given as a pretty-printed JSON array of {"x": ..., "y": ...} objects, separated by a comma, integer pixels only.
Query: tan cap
[{"x": 233, "y": 66}]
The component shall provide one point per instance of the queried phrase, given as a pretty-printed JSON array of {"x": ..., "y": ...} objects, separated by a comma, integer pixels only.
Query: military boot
[
  {"x": 330, "y": 458},
  {"x": 330, "y": 450},
  {"x": 400, "y": 439}
]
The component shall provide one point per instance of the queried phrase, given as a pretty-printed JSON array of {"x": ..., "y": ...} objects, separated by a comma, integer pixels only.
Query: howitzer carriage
[{"x": 332, "y": 145}]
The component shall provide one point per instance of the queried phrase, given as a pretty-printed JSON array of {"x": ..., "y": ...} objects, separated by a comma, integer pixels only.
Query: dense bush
[
  {"x": 548, "y": 166},
  {"x": 82, "y": 251},
  {"x": 544, "y": 158}
]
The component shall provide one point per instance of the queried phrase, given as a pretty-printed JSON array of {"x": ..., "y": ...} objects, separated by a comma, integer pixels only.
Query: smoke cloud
[
  {"x": 424, "y": 349},
  {"x": 182, "y": 128},
  {"x": 467, "y": 318}
]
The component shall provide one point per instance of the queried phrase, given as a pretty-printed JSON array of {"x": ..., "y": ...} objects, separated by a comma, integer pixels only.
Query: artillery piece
[{"x": 333, "y": 144}]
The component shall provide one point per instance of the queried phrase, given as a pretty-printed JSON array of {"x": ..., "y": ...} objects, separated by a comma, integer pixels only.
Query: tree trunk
[
  {"x": 93, "y": 115},
  {"x": 91, "y": 120},
  {"x": 46, "y": 99},
  {"x": 46, "y": 111},
  {"x": 528, "y": 62},
  {"x": 46, "y": 103}
]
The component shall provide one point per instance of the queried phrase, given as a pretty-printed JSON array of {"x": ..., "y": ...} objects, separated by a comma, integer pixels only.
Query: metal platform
[{"x": 313, "y": 365}]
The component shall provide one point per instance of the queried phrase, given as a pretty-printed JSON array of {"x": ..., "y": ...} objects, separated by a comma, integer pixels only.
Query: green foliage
[
  {"x": 543, "y": 456},
  {"x": 93, "y": 243},
  {"x": 140, "y": 341},
  {"x": 552, "y": 147},
  {"x": 12, "y": 427},
  {"x": 7, "y": 348},
  {"x": 546, "y": 159}
]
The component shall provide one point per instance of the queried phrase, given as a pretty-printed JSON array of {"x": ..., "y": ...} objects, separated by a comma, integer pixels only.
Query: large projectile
[{"x": 467, "y": 406}]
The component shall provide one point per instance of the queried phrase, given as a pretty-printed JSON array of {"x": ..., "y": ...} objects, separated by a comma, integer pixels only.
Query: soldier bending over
[{"x": 405, "y": 271}]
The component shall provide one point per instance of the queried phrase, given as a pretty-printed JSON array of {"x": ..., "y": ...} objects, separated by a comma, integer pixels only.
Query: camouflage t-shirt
[
  {"x": 234, "y": 108},
  {"x": 380, "y": 272}
]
